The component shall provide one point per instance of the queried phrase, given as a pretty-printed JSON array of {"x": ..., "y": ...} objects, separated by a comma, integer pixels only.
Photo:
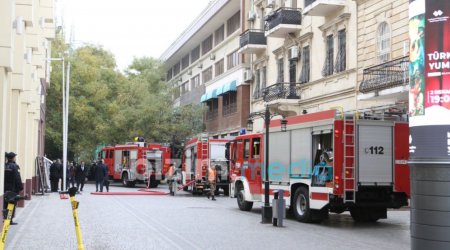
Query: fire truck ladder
[
  {"x": 205, "y": 150},
  {"x": 349, "y": 159}
]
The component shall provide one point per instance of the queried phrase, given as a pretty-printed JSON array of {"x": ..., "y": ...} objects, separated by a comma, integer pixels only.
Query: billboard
[{"x": 429, "y": 96}]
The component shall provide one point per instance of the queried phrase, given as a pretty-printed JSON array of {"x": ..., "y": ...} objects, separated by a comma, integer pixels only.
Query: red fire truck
[
  {"x": 137, "y": 162},
  {"x": 369, "y": 172},
  {"x": 199, "y": 154}
]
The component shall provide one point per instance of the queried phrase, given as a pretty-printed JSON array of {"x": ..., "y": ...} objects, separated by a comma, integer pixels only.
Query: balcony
[
  {"x": 388, "y": 75},
  {"x": 283, "y": 21},
  {"x": 252, "y": 41},
  {"x": 322, "y": 7},
  {"x": 279, "y": 91}
]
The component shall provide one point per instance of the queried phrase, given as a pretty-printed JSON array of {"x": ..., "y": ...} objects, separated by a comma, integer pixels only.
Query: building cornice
[{"x": 195, "y": 26}]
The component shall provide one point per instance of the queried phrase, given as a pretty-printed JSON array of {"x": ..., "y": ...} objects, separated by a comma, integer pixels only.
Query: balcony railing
[
  {"x": 253, "y": 37},
  {"x": 283, "y": 16},
  {"x": 288, "y": 90},
  {"x": 386, "y": 75}
]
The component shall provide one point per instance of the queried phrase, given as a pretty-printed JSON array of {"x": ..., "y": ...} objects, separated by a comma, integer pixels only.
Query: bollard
[
  {"x": 11, "y": 198},
  {"x": 278, "y": 208},
  {"x": 72, "y": 191}
]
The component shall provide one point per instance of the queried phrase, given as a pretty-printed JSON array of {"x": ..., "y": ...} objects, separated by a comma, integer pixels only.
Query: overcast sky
[{"x": 131, "y": 28}]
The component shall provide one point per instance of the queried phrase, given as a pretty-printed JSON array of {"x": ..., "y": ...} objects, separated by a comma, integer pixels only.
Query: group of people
[
  {"x": 13, "y": 181},
  {"x": 75, "y": 174}
]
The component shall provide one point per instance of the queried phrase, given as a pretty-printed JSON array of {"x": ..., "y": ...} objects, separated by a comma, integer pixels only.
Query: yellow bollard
[
  {"x": 72, "y": 191},
  {"x": 11, "y": 198}
]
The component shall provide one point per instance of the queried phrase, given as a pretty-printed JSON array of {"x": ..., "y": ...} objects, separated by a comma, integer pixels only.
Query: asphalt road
[{"x": 189, "y": 222}]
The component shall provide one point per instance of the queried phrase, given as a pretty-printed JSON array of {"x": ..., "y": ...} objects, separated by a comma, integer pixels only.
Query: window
[
  {"x": 229, "y": 103},
  {"x": 246, "y": 148},
  {"x": 207, "y": 45},
  {"x": 384, "y": 42},
  {"x": 256, "y": 88},
  {"x": 304, "y": 75},
  {"x": 328, "y": 65},
  {"x": 232, "y": 60},
  {"x": 219, "y": 68},
  {"x": 169, "y": 74},
  {"x": 280, "y": 70},
  {"x": 185, "y": 87},
  {"x": 256, "y": 149},
  {"x": 176, "y": 69},
  {"x": 213, "y": 109},
  {"x": 263, "y": 78},
  {"x": 341, "y": 57},
  {"x": 219, "y": 35},
  {"x": 207, "y": 75},
  {"x": 176, "y": 92},
  {"x": 233, "y": 23},
  {"x": 195, "y": 81},
  {"x": 195, "y": 54},
  {"x": 292, "y": 71},
  {"x": 185, "y": 62}
]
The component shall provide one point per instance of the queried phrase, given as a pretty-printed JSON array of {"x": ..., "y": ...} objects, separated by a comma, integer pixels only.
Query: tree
[{"x": 108, "y": 107}]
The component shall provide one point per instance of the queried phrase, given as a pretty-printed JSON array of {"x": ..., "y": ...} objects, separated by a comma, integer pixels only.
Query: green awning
[
  {"x": 211, "y": 95},
  {"x": 219, "y": 90},
  {"x": 231, "y": 86},
  {"x": 203, "y": 98}
]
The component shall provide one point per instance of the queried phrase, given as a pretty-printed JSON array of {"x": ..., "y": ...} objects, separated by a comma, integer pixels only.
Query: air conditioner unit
[
  {"x": 270, "y": 3},
  {"x": 251, "y": 16},
  {"x": 293, "y": 53},
  {"x": 248, "y": 75},
  {"x": 19, "y": 25},
  {"x": 28, "y": 55}
]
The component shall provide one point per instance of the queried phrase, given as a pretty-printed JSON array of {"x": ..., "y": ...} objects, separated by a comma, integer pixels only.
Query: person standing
[
  {"x": 80, "y": 175},
  {"x": 71, "y": 175},
  {"x": 170, "y": 178},
  {"x": 54, "y": 176},
  {"x": 100, "y": 173},
  {"x": 106, "y": 178},
  {"x": 13, "y": 181},
  {"x": 212, "y": 178}
]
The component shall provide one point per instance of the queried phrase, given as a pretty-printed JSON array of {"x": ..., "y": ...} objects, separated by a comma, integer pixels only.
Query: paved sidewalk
[{"x": 189, "y": 222}]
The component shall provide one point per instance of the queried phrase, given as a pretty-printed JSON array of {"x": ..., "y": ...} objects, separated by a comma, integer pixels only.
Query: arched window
[{"x": 384, "y": 42}]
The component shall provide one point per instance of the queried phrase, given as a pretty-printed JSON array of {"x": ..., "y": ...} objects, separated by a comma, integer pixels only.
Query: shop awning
[
  {"x": 203, "y": 98},
  {"x": 219, "y": 90},
  {"x": 209, "y": 95},
  {"x": 231, "y": 86}
]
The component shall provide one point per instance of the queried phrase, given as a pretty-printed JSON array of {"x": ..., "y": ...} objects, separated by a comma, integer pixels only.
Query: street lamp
[{"x": 267, "y": 116}]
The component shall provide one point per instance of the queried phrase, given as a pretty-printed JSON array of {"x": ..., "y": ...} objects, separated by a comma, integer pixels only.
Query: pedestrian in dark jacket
[
  {"x": 100, "y": 173},
  {"x": 71, "y": 175},
  {"x": 13, "y": 181},
  {"x": 54, "y": 175},
  {"x": 106, "y": 179},
  {"x": 80, "y": 175}
]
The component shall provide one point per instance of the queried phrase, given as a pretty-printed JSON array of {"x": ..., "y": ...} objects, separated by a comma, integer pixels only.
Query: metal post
[
  {"x": 63, "y": 87},
  {"x": 266, "y": 209},
  {"x": 66, "y": 123},
  {"x": 429, "y": 124}
]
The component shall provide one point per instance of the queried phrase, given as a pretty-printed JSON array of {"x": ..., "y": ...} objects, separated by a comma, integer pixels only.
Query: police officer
[
  {"x": 212, "y": 178},
  {"x": 13, "y": 181}
]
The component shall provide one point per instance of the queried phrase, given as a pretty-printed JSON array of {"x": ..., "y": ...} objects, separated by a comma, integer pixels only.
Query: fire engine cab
[
  {"x": 137, "y": 162},
  {"x": 368, "y": 172},
  {"x": 199, "y": 154}
]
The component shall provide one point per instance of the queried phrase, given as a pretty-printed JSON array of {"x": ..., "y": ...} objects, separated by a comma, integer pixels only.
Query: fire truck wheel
[
  {"x": 242, "y": 203},
  {"x": 301, "y": 209},
  {"x": 153, "y": 182},
  {"x": 126, "y": 182}
]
